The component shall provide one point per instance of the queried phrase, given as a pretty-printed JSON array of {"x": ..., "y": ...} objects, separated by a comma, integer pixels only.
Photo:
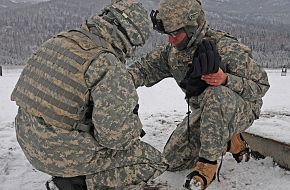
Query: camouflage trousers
[
  {"x": 220, "y": 113},
  {"x": 63, "y": 153}
]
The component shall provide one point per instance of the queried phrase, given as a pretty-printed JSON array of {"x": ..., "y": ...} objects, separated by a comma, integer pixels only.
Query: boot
[
  {"x": 203, "y": 174},
  {"x": 239, "y": 148},
  {"x": 67, "y": 183}
]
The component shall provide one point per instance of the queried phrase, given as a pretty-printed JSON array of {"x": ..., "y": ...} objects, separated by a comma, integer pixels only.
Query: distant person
[
  {"x": 284, "y": 70},
  {"x": 77, "y": 117},
  {"x": 224, "y": 87}
]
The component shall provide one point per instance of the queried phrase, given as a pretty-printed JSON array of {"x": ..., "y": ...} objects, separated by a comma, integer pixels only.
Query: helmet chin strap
[
  {"x": 195, "y": 36},
  {"x": 129, "y": 48},
  {"x": 183, "y": 44}
]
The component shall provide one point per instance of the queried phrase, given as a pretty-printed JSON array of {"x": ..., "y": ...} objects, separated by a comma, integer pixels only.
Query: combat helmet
[
  {"x": 174, "y": 15},
  {"x": 132, "y": 19}
]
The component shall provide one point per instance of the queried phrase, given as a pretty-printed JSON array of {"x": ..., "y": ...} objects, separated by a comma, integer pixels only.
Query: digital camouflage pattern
[
  {"x": 177, "y": 14},
  {"x": 134, "y": 19},
  {"x": 218, "y": 112},
  {"x": 52, "y": 85},
  {"x": 110, "y": 155},
  {"x": 60, "y": 152}
]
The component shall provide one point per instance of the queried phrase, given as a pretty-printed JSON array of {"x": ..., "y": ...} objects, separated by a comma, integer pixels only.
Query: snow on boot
[
  {"x": 239, "y": 148},
  {"x": 203, "y": 174}
]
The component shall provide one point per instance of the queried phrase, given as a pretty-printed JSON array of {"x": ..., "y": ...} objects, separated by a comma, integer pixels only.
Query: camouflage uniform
[
  {"x": 76, "y": 102},
  {"x": 218, "y": 112}
]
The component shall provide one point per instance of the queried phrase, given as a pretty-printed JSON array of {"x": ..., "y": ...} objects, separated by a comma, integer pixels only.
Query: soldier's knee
[
  {"x": 218, "y": 97},
  {"x": 212, "y": 94},
  {"x": 214, "y": 91}
]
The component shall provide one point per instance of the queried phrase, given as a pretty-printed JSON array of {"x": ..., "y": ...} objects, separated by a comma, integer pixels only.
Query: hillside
[
  {"x": 264, "y": 25},
  {"x": 258, "y": 10},
  {"x": 5, "y": 4}
]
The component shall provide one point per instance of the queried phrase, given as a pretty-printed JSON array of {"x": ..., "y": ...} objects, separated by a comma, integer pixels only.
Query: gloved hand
[
  {"x": 206, "y": 59},
  {"x": 193, "y": 86}
]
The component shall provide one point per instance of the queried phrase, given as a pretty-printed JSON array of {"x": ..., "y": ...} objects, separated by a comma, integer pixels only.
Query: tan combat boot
[
  {"x": 239, "y": 148},
  {"x": 203, "y": 174}
]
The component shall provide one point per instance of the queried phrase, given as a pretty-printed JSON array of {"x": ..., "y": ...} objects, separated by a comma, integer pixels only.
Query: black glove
[
  {"x": 193, "y": 86},
  {"x": 206, "y": 59}
]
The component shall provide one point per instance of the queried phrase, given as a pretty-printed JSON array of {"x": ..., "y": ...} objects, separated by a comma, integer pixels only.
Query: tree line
[{"x": 22, "y": 30}]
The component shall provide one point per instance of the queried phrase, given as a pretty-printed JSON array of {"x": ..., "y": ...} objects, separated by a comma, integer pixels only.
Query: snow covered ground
[{"x": 162, "y": 107}]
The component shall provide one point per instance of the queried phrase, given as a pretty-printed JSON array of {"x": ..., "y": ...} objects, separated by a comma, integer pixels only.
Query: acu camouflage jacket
[
  {"x": 245, "y": 76},
  {"x": 76, "y": 80}
]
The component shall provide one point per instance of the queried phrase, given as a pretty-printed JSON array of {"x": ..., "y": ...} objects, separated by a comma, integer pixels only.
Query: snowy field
[{"x": 162, "y": 107}]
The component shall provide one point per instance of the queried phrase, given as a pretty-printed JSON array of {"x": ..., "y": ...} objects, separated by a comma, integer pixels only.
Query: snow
[
  {"x": 162, "y": 107},
  {"x": 274, "y": 123}
]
